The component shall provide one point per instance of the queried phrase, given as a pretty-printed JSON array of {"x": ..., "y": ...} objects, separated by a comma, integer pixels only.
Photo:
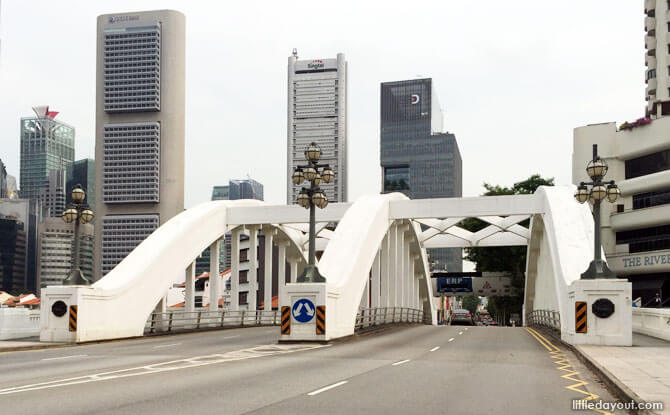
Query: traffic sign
[{"x": 303, "y": 310}]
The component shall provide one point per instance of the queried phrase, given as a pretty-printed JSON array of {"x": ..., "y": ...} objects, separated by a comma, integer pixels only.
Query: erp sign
[
  {"x": 303, "y": 310},
  {"x": 454, "y": 284}
]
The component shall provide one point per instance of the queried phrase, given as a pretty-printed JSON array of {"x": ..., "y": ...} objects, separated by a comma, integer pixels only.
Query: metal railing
[
  {"x": 175, "y": 321},
  {"x": 544, "y": 318},
  {"x": 370, "y": 317}
]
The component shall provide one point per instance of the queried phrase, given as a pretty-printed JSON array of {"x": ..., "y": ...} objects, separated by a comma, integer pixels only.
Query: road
[{"x": 408, "y": 370}]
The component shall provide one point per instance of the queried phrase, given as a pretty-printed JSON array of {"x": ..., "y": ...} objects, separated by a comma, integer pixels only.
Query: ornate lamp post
[
  {"x": 310, "y": 198},
  {"x": 597, "y": 169},
  {"x": 77, "y": 212}
]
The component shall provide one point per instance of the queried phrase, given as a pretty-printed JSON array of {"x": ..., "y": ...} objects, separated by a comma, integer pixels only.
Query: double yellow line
[{"x": 563, "y": 364}]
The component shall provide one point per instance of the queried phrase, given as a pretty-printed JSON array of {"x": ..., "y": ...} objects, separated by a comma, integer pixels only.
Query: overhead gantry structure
[{"x": 375, "y": 257}]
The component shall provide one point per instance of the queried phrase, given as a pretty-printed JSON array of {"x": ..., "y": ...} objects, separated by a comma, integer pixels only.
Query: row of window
[
  {"x": 645, "y": 239},
  {"x": 649, "y": 164},
  {"x": 649, "y": 199}
]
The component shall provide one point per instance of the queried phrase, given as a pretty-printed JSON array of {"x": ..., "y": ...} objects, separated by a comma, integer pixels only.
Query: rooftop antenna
[{"x": 295, "y": 52}]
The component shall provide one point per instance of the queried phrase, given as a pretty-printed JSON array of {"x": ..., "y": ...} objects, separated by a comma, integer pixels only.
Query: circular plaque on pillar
[
  {"x": 603, "y": 308},
  {"x": 59, "y": 308}
]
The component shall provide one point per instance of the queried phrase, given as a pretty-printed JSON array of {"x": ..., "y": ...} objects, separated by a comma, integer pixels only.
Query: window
[
  {"x": 651, "y": 74},
  {"x": 244, "y": 277},
  {"x": 243, "y": 298},
  {"x": 619, "y": 208},
  {"x": 396, "y": 179},
  {"x": 652, "y": 163},
  {"x": 244, "y": 255},
  {"x": 649, "y": 199},
  {"x": 645, "y": 239}
]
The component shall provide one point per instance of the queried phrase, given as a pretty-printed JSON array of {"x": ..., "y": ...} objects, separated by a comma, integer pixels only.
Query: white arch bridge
[{"x": 375, "y": 257}]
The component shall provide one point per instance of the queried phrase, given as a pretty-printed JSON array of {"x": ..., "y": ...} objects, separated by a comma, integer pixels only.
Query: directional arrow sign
[{"x": 303, "y": 310}]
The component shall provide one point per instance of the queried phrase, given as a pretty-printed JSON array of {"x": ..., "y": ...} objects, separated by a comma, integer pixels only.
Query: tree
[
  {"x": 470, "y": 303},
  {"x": 511, "y": 259}
]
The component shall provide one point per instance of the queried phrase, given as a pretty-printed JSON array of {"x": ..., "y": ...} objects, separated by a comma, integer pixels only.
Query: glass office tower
[
  {"x": 81, "y": 172},
  {"x": 417, "y": 158}
]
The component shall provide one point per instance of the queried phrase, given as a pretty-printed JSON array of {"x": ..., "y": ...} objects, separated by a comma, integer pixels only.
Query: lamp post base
[
  {"x": 598, "y": 269},
  {"x": 311, "y": 274},
  {"x": 76, "y": 278}
]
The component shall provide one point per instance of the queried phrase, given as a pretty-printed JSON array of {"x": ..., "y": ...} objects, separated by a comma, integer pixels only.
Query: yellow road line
[{"x": 561, "y": 360}]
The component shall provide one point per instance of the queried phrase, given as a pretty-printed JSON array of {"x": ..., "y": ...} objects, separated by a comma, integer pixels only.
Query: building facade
[
  {"x": 52, "y": 197},
  {"x": 139, "y": 147},
  {"x": 13, "y": 254},
  {"x": 245, "y": 189},
  {"x": 4, "y": 188},
  {"x": 27, "y": 214},
  {"x": 55, "y": 244},
  {"x": 636, "y": 229},
  {"x": 46, "y": 144},
  {"x": 81, "y": 172},
  {"x": 417, "y": 158},
  {"x": 317, "y": 112},
  {"x": 221, "y": 193}
]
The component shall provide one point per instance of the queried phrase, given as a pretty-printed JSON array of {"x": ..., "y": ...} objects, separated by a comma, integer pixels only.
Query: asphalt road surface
[{"x": 405, "y": 370}]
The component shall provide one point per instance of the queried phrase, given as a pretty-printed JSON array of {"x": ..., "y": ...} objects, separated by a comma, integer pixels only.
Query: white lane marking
[
  {"x": 400, "y": 362},
  {"x": 229, "y": 337},
  {"x": 451, "y": 340},
  {"x": 434, "y": 348},
  {"x": 243, "y": 354},
  {"x": 167, "y": 345},
  {"x": 334, "y": 385},
  {"x": 66, "y": 357},
  {"x": 460, "y": 332}
]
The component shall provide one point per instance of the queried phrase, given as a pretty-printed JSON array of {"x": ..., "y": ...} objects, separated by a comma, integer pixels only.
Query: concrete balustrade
[{"x": 653, "y": 322}]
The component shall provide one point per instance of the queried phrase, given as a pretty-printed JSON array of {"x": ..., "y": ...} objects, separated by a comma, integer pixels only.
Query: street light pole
[
  {"x": 311, "y": 198},
  {"x": 77, "y": 212},
  {"x": 597, "y": 169}
]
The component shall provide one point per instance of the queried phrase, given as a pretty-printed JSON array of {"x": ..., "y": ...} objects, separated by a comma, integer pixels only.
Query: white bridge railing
[
  {"x": 370, "y": 317},
  {"x": 544, "y": 318},
  {"x": 175, "y": 321},
  {"x": 653, "y": 322}
]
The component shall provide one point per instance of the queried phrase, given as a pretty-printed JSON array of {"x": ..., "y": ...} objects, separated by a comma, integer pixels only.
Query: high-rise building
[
  {"x": 221, "y": 193},
  {"x": 55, "y": 251},
  {"x": 417, "y": 158},
  {"x": 27, "y": 214},
  {"x": 657, "y": 57},
  {"x": 139, "y": 146},
  {"x": 81, "y": 172},
  {"x": 317, "y": 112},
  {"x": 635, "y": 229},
  {"x": 3, "y": 181},
  {"x": 52, "y": 196},
  {"x": 12, "y": 189},
  {"x": 245, "y": 189},
  {"x": 46, "y": 144},
  {"x": 12, "y": 254}
]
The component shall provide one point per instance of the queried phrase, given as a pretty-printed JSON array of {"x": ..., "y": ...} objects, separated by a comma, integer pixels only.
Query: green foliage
[
  {"x": 470, "y": 303},
  {"x": 511, "y": 259}
]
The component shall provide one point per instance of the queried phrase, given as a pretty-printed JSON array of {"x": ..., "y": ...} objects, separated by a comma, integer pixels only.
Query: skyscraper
[
  {"x": 52, "y": 195},
  {"x": 317, "y": 112},
  {"x": 81, "y": 172},
  {"x": 657, "y": 58},
  {"x": 245, "y": 189},
  {"x": 139, "y": 146},
  {"x": 3, "y": 181},
  {"x": 417, "y": 158},
  {"x": 221, "y": 193},
  {"x": 46, "y": 144}
]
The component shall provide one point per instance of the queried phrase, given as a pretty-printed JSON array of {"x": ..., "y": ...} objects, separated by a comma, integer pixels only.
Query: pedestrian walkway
[
  {"x": 641, "y": 371},
  {"x": 25, "y": 344}
]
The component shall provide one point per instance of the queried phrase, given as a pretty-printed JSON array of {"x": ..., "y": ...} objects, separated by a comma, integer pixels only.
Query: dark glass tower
[
  {"x": 417, "y": 158},
  {"x": 81, "y": 172}
]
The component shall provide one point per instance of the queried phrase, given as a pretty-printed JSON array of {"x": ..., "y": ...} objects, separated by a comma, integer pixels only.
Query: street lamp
[
  {"x": 600, "y": 190},
  {"x": 77, "y": 212},
  {"x": 310, "y": 198}
]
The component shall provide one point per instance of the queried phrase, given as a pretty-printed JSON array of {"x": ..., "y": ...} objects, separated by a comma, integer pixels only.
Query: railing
[
  {"x": 175, "y": 321},
  {"x": 654, "y": 322},
  {"x": 544, "y": 318},
  {"x": 370, "y": 317}
]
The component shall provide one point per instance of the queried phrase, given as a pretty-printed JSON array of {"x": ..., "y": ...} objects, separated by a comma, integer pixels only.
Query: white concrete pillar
[
  {"x": 393, "y": 266},
  {"x": 374, "y": 282},
  {"x": 267, "y": 272},
  {"x": 214, "y": 277},
  {"x": 235, "y": 270},
  {"x": 366, "y": 295},
  {"x": 408, "y": 277},
  {"x": 281, "y": 262},
  {"x": 294, "y": 268},
  {"x": 384, "y": 272},
  {"x": 189, "y": 287},
  {"x": 253, "y": 268},
  {"x": 410, "y": 302},
  {"x": 400, "y": 266}
]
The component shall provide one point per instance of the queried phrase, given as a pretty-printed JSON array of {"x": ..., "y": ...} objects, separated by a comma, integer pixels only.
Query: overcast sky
[{"x": 513, "y": 77}]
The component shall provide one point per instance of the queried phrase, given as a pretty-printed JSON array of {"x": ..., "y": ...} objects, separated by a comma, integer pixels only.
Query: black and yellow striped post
[
  {"x": 580, "y": 316},
  {"x": 321, "y": 319},
  {"x": 286, "y": 320},
  {"x": 73, "y": 318}
]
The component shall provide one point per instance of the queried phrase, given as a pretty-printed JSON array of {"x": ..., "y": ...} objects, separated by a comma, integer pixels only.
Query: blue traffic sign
[{"x": 303, "y": 310}]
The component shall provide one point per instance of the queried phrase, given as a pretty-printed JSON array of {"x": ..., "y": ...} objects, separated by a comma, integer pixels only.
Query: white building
[
  {"x": 54, "y": 251},
  {"x": 636, "y": 229},
  {"x": 317, "y": 112},
  {"x": 139, "y": 146}
]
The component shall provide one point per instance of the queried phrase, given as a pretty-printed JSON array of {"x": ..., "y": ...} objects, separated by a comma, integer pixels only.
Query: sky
[{"x": 514, "y": 78}]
